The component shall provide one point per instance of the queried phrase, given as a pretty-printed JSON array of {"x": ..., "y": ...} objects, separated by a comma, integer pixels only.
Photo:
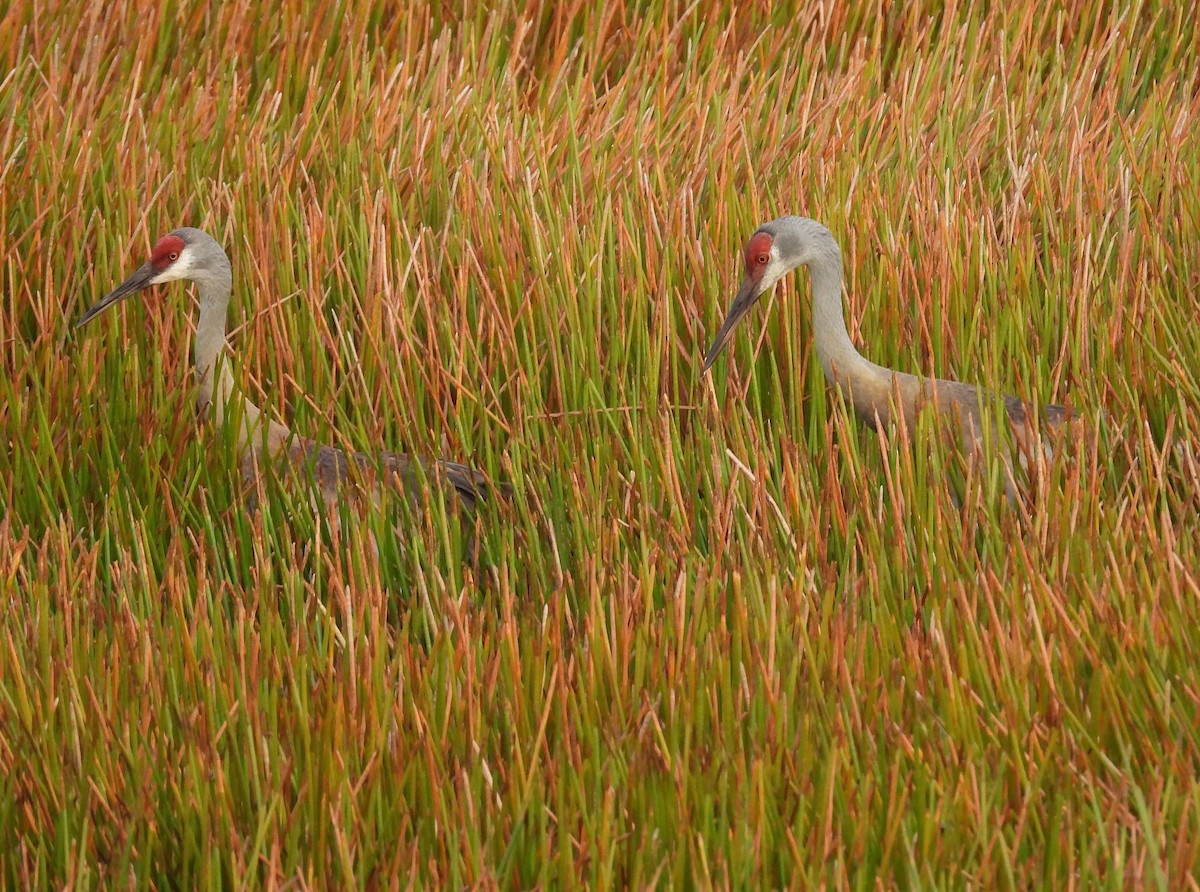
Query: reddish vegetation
[{"x": 733, "y": 638}]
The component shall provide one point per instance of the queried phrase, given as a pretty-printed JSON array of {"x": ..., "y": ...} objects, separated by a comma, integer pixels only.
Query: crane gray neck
[
  {"x": 214, "y": 289},
  {"x": 843, "y": 365},
  {"x": 214, "y": 378},
  {"x": 829, "y": 322}
]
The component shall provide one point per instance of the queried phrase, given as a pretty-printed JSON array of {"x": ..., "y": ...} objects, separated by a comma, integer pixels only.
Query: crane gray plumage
[
  {"x": 192, "y": 254},
  {"x": 874, "y": 391}
]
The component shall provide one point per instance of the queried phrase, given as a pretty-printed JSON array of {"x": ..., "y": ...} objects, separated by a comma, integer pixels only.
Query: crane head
[
  {"x": 170, "y": 260},
  {"x": 763, "y": 269}
]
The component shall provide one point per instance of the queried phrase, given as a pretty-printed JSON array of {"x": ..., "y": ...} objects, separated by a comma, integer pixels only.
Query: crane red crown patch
[
  {"x": 759, "y": 244},
  {"x": 166, "y": 252}
]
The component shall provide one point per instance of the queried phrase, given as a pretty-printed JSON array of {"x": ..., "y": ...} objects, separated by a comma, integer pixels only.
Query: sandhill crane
[
  {"x": 782, "y": 245},
  {"x": 194, "y": 255}
]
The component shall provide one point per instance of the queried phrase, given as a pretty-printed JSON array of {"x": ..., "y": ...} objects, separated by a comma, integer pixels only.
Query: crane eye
[
  {"x": 174, "y": 255},
  {"x": 763, "y": 258}
]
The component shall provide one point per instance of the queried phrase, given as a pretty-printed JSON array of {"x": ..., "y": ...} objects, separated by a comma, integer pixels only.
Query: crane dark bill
[
  {"x": 746, "y": 297},
  {"x": 132, "y": 285}
]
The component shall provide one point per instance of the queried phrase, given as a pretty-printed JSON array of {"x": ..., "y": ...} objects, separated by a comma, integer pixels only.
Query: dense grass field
[{"x": 723, "y": 635}]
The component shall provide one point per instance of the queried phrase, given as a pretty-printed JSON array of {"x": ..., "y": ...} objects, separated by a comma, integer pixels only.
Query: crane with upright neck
[
  {"x": 192, "y": 254},
  {"x": 875, "y": 392}
]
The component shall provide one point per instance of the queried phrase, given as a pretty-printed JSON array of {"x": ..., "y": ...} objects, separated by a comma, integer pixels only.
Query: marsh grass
[{"x": 723, "y": 635}]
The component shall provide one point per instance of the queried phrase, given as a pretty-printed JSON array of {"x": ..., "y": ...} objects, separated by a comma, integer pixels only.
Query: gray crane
[
  {"x": 778, "y": 247},
  {"x": 194, "y": 255}
]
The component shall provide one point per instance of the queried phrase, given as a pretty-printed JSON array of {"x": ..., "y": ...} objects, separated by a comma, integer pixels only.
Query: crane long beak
[
  {"x": 135, "y": 283},
  {"x": 746, "y": 297}
]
